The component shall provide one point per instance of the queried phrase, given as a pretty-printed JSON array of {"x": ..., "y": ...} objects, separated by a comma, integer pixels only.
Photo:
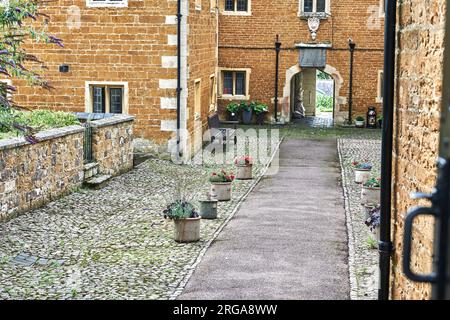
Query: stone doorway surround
[{"x": 339, "y": 116}]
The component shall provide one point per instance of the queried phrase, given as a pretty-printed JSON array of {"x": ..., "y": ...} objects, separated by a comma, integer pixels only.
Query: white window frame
[
  {"x": 235, "y": 12},
  {"x": 106, "y": 4},
  {"x": 379, "y": 98},
  {"x": 88, "y": 94},
  {"x": 232, "y": 96},
  {"x": 301, "y": 6}
]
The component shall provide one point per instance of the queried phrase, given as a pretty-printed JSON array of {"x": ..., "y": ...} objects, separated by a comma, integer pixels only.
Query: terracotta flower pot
[
  {"x": 370, "y": 196},
  {"x": 362, "y": 175},
  {"x": 244, "y": 172},
  {"x": 187, "y": 230},
  {"x": 222, "y": 191}
]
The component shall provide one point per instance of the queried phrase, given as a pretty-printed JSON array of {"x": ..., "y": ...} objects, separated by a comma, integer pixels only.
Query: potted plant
[
  {"x": 370, "y": 193},
  {"x": 186, "y": 221},
  {"x": 260, "y": 111},
  {"x": 359, "y": 122},
  {"x": 208, "y": 207},
  {"x": 233, "y": 111},
  {"x": 380, "y": 121},
  {"x": 244, "y": 166},
  {"x": 373, "y": 221},
  {"x": 362, "y": 171},
  {"x": 247, "y": 112},
  {"x": 221, "y": 185}
]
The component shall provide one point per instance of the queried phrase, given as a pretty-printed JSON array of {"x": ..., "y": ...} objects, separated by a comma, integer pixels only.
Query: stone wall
[
  {"x": 112, "y": 144},
  {"x": 417, "y": 114},
  {"x": 248, "y": 42},
  {"x": 34, "y": 174}
]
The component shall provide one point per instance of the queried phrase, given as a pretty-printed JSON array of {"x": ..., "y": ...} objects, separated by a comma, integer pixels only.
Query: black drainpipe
[
  {"x": 277, "y": 68},
  {"x": 179, "y": 17},
  {"x": 385, "y": 245}
]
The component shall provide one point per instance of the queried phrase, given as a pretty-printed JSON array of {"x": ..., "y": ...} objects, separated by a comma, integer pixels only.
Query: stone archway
[{"x": 339, "y": 116}]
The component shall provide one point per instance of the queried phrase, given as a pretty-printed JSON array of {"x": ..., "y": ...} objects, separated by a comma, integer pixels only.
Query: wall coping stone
[
  {"x": 111, "y": 121},
  {"x": 40, "y": 136}
]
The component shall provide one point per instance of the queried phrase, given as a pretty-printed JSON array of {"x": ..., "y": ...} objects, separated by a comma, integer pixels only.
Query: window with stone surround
[
  {"x": 106, "y": 3},
  {"x": 236, "y": 7},
  {"x": 380, "y": 87},
  {"x": 312, "y": 7},
  {"x": 107, "y": 97},
  {"x": 234, "y": 84}
]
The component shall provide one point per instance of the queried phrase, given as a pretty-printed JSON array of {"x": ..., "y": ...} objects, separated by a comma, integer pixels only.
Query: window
[
  {"x": 212, "y": 92},
  {"x": 380, "y": 89},
  {"x": 108, "y": 97},
  {"x": 237, "y": 6},
  {"x": 197, "y": 100},
  {"x": 308, "y": 7},
  {"x": 106, "y": 3},
  {"x": 235, "y": 83}
]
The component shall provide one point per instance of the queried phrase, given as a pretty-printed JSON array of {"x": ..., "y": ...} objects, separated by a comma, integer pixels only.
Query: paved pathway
[{"x": 289, "y": 239}]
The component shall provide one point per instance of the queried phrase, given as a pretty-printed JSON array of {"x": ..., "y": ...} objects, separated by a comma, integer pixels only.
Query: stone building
[
  {"x": 419, "y": 76},
  {"x": 120, "y": 56},
  {"x": 314, "y": 34}
]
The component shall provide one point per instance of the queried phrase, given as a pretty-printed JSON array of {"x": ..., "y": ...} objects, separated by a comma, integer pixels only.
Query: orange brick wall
[
  {"x": 417, "y": 115},
  {"x": 248, "y": 42},
  {"x": 126, "y": 45}
]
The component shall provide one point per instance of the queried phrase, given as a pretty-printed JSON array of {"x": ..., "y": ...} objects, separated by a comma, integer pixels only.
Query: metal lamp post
[{"x": 352, "y": 46}]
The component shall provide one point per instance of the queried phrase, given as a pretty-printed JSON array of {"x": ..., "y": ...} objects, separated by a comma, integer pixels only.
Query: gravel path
[
  {"x": 363, "y": 256},
  {"x": 111, "y": 243}
]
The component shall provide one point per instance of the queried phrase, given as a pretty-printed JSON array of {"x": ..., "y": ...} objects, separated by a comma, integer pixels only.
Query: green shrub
[
  {"x": 324, "y": 103},
  {"x": 37, "y": 120},
  {"x": 233, "y": 107}
]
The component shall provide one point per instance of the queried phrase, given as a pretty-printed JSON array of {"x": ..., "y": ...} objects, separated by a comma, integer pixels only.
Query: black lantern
[{"x": 372, "y": 118}]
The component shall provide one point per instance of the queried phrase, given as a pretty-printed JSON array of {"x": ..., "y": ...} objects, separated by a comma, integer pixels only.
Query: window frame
[
  {"x": 106, "y": 3},
  {"x": 235, "y": 12},
  {"x": 234, "y": 96},
  {"x": 379, "y": 98},
  {"x": 89, "y": 102},
  {"x": 213, "y": 92},
  {"x": 323, "y": 15}
]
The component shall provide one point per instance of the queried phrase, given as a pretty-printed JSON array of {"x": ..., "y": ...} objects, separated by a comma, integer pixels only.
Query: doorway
[{"x": 312, "y": 95}]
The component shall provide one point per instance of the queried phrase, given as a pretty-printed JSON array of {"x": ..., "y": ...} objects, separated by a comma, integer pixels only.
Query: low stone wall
[
  {"x": 112, "y": 144},
  {"x": 34, "y": 174}
]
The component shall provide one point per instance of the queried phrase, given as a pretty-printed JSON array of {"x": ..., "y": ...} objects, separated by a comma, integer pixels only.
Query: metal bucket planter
[
  {"x": 370, "y": 196},
  {"x": 208, "y": 209},
  {"x": 362, "y": 175},
  {"x": 222, "y": 191},
  {"x": 360, "y": 123},
  {"x": 187, "y": 230},
  {"x": 244, "y": 172},
  {"x": 247, "y": 116}
]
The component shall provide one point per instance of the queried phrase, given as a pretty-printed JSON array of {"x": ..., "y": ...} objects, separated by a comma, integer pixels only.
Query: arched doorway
[{"x": 301, "y": 88}]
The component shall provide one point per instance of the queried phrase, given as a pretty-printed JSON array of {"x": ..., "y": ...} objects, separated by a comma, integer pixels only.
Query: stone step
[
  {"x": 98, "y": 181},
  {"x": 90, "y": 170}
]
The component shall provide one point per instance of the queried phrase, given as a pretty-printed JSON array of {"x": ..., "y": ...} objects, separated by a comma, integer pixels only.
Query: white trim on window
[
  {"x": 88, "y": 94},
  {"x": 235, "y": 12},
  {"x": 302, "y": 13},
  {"x": 213, "y": 92},
  {"x": 106, "y": 3},
  {"x": 232, "y": 96},
  {"x": 379, "y": 98}
]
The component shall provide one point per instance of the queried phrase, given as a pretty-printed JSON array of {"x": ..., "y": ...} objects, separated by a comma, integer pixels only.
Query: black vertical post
[
  {"x": 277, "y": 50},
  {"x": 351, "y": 46},
  {"x": 385, "y": 245},
  {"x": 179, "y": 17}
]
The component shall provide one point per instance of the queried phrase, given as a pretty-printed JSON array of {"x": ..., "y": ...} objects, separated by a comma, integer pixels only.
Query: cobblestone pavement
[
  {"x": 363, "y": 255},
  {"x": 111, "y": 243}
]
